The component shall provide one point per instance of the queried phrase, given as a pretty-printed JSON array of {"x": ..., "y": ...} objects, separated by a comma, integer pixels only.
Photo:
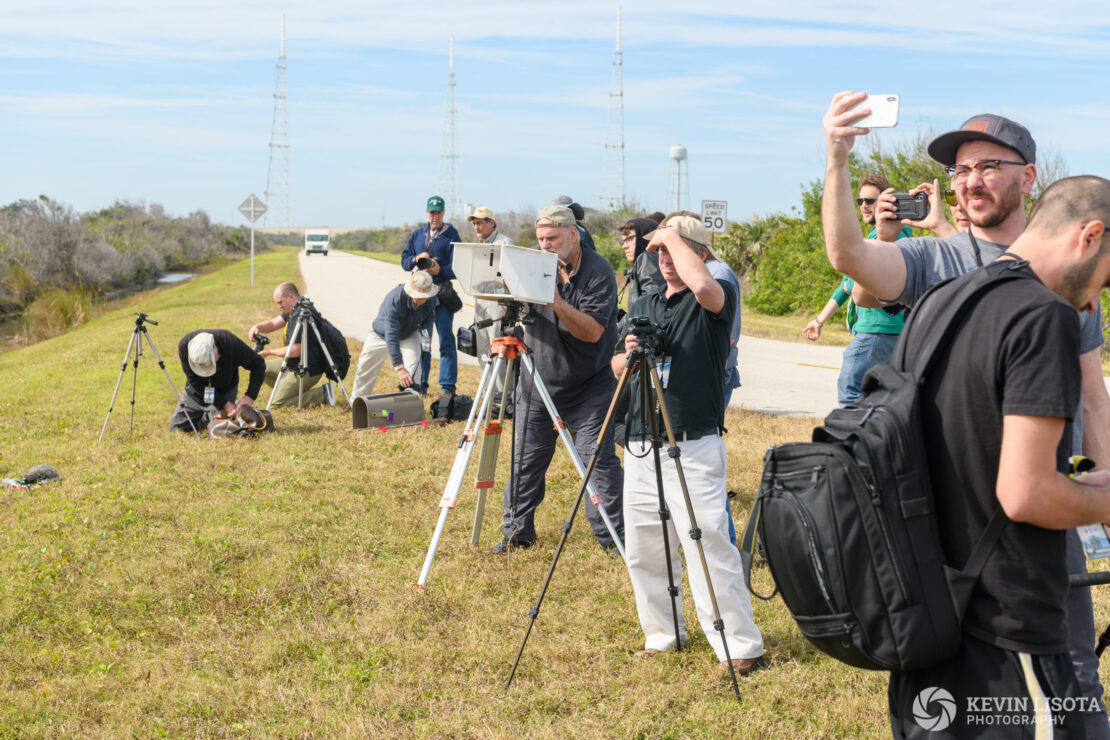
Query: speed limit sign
[{"x": 714, "y": 214}]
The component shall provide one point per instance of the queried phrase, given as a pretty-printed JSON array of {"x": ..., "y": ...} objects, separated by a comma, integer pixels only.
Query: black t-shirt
[
  {"x": 232, "y": 354},
  {"x": 573, "y": 370},
  {"x": 697, "y": 345},
  {"x": 1016, "y": 354}
]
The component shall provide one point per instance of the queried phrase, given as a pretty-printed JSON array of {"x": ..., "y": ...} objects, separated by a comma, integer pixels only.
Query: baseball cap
[
  {"x": 688, "y": 228},
  {"x": 480, "y": 212},
  {"x": 562, "y": 200},
  {"x": 435, "y": 203},
  {"x": 420, "y": 285},
  {"x": 202, "y": 354},
  {"x": 559, "y": 215},
  {"x": 984, "y": 127}
]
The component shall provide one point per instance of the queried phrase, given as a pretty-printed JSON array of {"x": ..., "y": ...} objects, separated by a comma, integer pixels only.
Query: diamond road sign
[{"x": 252, "y": 208}]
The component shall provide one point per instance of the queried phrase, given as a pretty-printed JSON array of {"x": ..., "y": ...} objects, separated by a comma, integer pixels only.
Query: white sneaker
[{"x": 329, "y": 394}]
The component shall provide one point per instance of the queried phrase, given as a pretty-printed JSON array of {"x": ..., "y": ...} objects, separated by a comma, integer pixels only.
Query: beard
[
  {"x": 1075, "y": 280},
  {"x": 1004, "y": 204}
]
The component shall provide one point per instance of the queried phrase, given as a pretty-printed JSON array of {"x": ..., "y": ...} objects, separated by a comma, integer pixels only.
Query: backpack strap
[
  {"x": 748, "y": 543},
  {"x": 974, "y": 284},
  {"x": 962, "y": 582}
]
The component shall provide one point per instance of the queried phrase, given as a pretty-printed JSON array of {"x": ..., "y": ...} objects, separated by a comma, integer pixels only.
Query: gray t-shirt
[
  {"x": 720, "y": 271},
  {"x": 931, "y": 259}
]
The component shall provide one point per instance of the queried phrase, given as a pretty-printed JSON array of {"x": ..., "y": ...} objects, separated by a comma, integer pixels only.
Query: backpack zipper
[{"x": 814, "y": 552}]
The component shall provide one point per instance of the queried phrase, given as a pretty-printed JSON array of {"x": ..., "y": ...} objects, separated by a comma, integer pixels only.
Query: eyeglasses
[
  {"x": 628, "y": 238},
  {"x": 950, "y": 197},
  {"x": 987, "y": 168},
  {"x": 868, "y": 201}
]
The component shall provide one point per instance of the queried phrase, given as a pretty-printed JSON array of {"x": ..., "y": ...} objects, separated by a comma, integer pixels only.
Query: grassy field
[{"x": 170, "y": 586}]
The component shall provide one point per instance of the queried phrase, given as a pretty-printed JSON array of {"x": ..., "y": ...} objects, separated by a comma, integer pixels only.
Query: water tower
[{"x": 678, "y": 182}]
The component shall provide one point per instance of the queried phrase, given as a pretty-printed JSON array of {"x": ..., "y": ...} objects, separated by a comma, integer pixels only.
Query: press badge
[
  {"x": 664, "y": 370},
  {"x": 425, "y": 341},
  {"x": 209, "y": 395}
]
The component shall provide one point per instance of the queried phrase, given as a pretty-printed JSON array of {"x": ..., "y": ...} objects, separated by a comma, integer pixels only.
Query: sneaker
[
  {"x": 505, "y": 545},
  {"x": 329, "y": 394}
]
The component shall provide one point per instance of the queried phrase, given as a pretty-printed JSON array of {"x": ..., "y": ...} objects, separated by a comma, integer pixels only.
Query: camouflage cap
[{"x": 558, "y": 215}]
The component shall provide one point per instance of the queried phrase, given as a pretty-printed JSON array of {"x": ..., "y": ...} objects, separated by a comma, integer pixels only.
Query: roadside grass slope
[{"x": 182, "y": 587}]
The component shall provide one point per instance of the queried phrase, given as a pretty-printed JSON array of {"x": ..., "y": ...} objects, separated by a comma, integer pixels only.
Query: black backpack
[
  {"x": 337, "y": 348},
  {"x": 848, "y": 525}
]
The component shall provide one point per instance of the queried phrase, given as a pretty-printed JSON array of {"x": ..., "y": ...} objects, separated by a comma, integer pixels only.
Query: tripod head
[
  {"x": 143, "y": 317},
  {"x": 650, "y": 339},
  {"x": 513, "y": 315}
]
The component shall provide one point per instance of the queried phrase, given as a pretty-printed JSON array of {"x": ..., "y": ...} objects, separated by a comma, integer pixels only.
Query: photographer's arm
[
  {"x": 1096, "y": 408},
  {"x": 581, "y": 326},
  {"x": 265, "y": 327},
  {"x": 1030, "y": 488},
  {"x": 877, "y": 265}
]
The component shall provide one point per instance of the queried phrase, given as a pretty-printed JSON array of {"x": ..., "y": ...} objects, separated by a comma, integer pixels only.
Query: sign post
[{"x": 252, "y": 208}]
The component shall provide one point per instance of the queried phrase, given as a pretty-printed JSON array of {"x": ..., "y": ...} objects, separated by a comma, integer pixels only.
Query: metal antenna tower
[
  {"x": 277, "y": 176},
  {"x": 448, "y": 166},
  {"x": 612, "y": 179}
]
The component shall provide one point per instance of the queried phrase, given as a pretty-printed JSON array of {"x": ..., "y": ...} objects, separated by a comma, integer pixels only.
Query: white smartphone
[{"x": 884, "y": 111}]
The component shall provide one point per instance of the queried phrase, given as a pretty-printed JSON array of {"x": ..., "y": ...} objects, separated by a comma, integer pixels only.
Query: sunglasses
[
  {"x": 950, "y": 197},
  {"x": 868, "y": 201}
]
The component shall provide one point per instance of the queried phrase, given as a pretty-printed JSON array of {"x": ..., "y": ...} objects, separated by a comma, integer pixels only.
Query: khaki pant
[{"x": 375, "y": 353}]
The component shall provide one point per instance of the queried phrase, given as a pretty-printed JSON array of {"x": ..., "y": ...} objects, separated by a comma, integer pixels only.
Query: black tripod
[
  {"x": 305, "y": 313},
  {"x": 137, "y": 335},
  {"x": 649, "y": 340}
]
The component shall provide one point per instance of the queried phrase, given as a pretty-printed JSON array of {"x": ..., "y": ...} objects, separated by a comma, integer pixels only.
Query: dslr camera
[{"x": 260, "y": 342}]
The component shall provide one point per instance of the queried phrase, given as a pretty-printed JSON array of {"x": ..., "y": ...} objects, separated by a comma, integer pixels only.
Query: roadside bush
[{"x": 793, "y": 272}]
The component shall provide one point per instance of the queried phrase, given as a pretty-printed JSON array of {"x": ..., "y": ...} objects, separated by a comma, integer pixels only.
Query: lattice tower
[
  {"x": 612, "y": 178},
  {"x": 448, "y": 161},
  {"x": 277, "y": 175}
]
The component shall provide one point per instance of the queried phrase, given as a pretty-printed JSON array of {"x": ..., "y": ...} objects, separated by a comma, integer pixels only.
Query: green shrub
[{"x": 793, "y": 273}]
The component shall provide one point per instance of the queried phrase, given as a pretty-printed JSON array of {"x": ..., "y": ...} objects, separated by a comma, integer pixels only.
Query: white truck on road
[{"x": 316, "y": 240}]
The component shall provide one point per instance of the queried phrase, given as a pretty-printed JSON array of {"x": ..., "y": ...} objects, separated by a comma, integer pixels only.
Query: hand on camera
[
  {"x": 887, "y": 226},
  {"x": 934, "y": 220}
]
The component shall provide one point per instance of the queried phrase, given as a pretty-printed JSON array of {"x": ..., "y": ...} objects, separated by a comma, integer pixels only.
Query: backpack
[
  {"x": 847, "y": 521},
  {"x": 337, "y": 347},
  {"x": 458, "y": 408}
]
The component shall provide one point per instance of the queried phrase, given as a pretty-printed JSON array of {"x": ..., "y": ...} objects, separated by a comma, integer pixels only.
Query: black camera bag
[
  {"x": 333, "y": 339},
  {"x": 848, "y": 523}
]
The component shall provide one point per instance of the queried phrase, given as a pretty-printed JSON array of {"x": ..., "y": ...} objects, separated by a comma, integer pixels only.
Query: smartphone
[
  {"x": 884, "y": 111},
  {"x": 913, "y": 207}
]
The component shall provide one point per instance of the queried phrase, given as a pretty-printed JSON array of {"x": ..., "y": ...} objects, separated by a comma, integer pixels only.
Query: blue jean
[
  {"x": 448, "y": 355},
  {"x": 865, "y": 351}
]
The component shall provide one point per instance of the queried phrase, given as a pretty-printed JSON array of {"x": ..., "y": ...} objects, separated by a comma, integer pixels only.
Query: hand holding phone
[{"x": 884, "y": 111}]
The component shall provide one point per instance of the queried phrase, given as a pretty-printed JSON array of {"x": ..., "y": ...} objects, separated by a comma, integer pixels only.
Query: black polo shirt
[{"x": 697, "y": 345}]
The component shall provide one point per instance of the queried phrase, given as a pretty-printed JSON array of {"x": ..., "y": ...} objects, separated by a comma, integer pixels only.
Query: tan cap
[
  {"x": 688, "y": 228},
  {"x": 420, "y": 285},
  {"x": 480, "y": 212},
  {"x": 202, "y": 354},
  {"x": 558, "y": 215}
]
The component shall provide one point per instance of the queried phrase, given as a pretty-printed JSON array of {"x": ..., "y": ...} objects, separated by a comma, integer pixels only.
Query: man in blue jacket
[
  {"x": 434, "y": 242},
  {"x": 403, "y": 325}
]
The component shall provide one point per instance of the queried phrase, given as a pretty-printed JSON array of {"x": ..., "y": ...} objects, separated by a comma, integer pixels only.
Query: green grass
[{"x": 170, "y": 586}]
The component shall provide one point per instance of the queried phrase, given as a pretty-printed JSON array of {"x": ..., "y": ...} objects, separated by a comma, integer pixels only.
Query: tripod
[
  {"x": 305, "y": 313},
  {"x": 507, "y": 350},
  {"x": 137, "y": 335},
  {"x": 649, "y": 340}
]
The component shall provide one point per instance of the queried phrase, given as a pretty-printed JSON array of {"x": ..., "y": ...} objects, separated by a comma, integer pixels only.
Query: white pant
[
  {"x": 703, "y": 466},
  {"x": 375, "y": 352}
]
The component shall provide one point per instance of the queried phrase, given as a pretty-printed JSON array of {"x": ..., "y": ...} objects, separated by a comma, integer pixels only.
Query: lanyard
[{"x": 975, "y": 245}]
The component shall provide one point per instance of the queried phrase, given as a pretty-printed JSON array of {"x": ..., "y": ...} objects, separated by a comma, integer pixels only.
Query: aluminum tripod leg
[
  {"x": 165, "y": 372},
  {"x": 285, "y": 366},
  {"x": 331, "y": 362},
  {"x": 695, "y": 531},
  {"x": 483, "y": 422},
  {"x": 458, "y": 469},
  {"x": 535, "y": 610},
  {"x": 568, "y": 442},
  {"x": 122, "y": 370}
]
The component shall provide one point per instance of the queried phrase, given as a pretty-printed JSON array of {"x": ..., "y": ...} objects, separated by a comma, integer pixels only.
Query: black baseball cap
[{"x": 984, "y": 127}]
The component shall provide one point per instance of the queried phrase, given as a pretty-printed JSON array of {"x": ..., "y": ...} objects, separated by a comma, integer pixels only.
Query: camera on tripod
[
  {"x": 649, "y": 336},
  {"x": 260, "y": 342}
]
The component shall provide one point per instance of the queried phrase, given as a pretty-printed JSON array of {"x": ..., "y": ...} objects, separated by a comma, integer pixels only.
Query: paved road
[{"x": 776, "y": 377}]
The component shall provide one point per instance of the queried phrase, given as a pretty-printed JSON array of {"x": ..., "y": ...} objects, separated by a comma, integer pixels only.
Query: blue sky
[{"x": 171, "y": 102}]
